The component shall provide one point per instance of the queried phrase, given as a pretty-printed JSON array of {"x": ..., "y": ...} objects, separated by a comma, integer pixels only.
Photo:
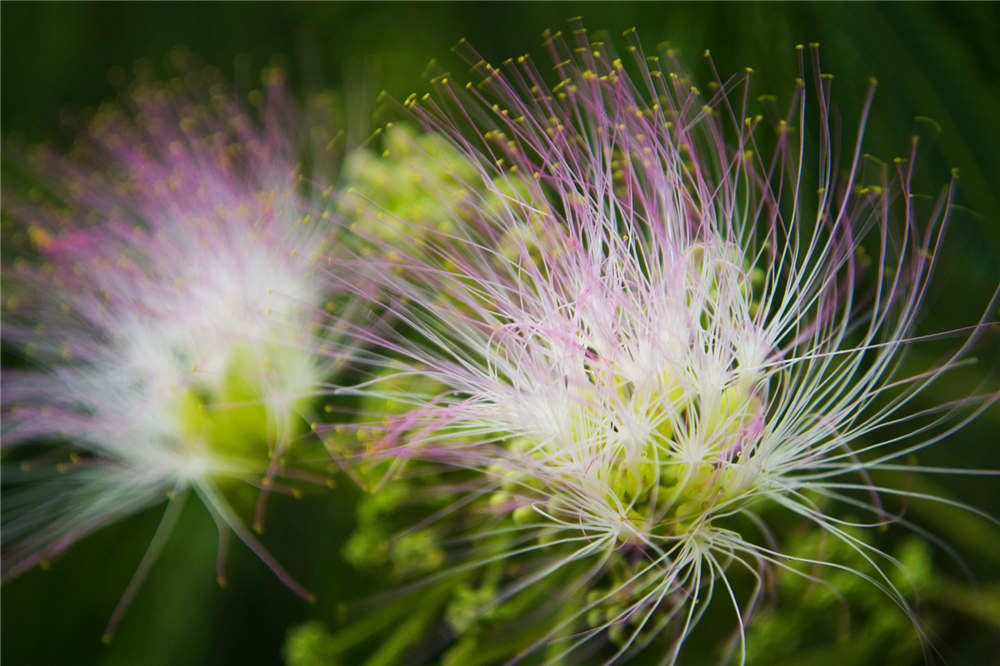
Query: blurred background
[{"x": 940, "y": 61}]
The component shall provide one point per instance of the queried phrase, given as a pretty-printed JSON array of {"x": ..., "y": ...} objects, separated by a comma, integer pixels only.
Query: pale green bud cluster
[{"x": 409, "y": 179}]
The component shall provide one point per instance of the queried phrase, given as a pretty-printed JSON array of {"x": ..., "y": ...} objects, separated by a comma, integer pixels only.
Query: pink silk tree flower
[
  {"x": 167, "y": 317},
  {"x": 650, "y": 332}
]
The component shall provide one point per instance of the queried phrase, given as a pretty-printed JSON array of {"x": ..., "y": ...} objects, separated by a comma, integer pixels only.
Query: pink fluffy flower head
[
  {"x": 649, "y": 330},
  {"x": 169, "y": 320}
]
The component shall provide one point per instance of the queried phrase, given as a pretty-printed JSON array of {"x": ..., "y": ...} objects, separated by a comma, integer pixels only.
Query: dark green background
[{"x": 936, "y": 60}]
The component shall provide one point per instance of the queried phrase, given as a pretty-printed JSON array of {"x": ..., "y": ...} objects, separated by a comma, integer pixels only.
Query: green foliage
[{"x": 841, "y": 619}]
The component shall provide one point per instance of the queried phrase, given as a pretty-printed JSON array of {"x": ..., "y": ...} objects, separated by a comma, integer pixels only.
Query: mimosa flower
[
  {"x": 650, "y": 332},
  {"x": 170, "y": 321}
]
